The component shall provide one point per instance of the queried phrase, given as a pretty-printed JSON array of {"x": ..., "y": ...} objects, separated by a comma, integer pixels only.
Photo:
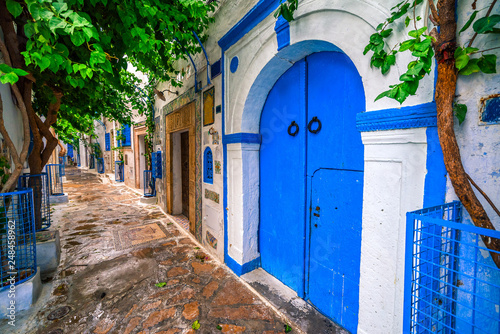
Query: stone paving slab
[{"x": 154, "y": 279}]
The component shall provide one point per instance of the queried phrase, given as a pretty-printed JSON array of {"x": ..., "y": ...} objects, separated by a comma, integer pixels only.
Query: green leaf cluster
[
  {"x": 467, "y": 65},
  {"x": 420, "y": 46},
  {"x": 287, "y": 9},
  {"x": 9, "y": 74}
]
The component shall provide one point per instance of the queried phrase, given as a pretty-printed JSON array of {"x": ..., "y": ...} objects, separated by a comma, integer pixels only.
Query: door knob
[{"x": 314, "y": 120}]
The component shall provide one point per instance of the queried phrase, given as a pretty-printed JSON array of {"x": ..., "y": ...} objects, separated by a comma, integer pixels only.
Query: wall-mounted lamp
[{"x": 161, "y": 95}]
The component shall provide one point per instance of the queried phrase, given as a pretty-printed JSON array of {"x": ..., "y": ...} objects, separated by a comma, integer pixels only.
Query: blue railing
[
  {"x": 92, "y": 162},
  {"x": 62, "y": 164},
  {"x": 41, "y": 199},
  {"x": 452, "y": 284},
  {"x": 119, "y": 175},
  {"x": 17, "y": 242},
  {"x": 100, "y": 165},
  {"x": 55, "y": 179},
  {"x": 149, "y": 184}
]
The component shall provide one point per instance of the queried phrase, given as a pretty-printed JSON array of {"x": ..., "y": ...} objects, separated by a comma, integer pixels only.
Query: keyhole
[{"x": 315, "y": 225}]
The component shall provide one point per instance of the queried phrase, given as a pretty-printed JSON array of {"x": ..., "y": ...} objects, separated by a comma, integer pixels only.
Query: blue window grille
[
  {"x": 62, "y": 163},
  {"x": 41, "y": 200},
  {"x": 119, "y": 175},
  {"x": 78, "y": 160},
  {"x": 452, "y": 284},
  {"x": 126, "y": 134},
  {"x": 55, "y": 179},
  {"x": 156, "y": 164},
  {"x": 100, "y": 165},
  {"x": 208, "y": 167},
  {"x": 149, "y": 184},
  {"x": 70, "y": 150},
  {"x": 17, "y": 225},
  {"x": 92, "y": 162},
  {"x": 107, "y": 142}
]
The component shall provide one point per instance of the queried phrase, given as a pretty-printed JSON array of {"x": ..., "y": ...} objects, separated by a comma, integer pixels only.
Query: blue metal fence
[
  {"x": 452, "y": 284},
  {"x": 41, "y": 199},
  {"x": 149, "y": 184},
  {"x": 100, "y": 165},
  {"x": 17, "y": 243},
  {"x": 119, "y": 175},
  {"x": 62, "y": 164},
  {"x": 55, "y": 179},
  {"x": 92, "y": 162}
]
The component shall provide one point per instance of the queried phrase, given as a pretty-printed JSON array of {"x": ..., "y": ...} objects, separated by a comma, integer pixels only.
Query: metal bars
[
  {"x": 452, "y": 284},
  {"x": 119, "y": 175},
  {"x": 41, "y": 199},
  {"x": 149, "y": 184},
  {"x": 17, "y": 238},
  {"x": 100, "y": 165},
  {"x": 55, "y": 179}
]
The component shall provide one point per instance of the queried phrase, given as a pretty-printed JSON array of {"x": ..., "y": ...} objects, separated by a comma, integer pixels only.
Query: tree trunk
[{"x": 445, "y": 95}]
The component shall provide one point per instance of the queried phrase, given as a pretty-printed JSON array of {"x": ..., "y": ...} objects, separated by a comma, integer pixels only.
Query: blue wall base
[{"x": 239, "y": 269}]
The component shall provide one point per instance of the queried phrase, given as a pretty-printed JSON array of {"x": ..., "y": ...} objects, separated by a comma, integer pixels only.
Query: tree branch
[
  {"x": 487, "y": 14},
  {"x": 434, "y": 12},
  {"x": 484, "y": 195}
]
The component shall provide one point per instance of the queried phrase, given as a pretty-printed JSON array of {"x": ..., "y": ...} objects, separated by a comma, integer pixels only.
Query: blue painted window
[
  {"x": 107, "y": 142},
  {"x": 156, "y": 164},
  {"x": 126, "y": 134},
  {"x": 208, "y": 170},
  {"x": 118, "y": 142}
]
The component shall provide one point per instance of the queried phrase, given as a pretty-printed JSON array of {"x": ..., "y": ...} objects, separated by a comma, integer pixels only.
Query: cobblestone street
[{"x": 126, "y": 268}]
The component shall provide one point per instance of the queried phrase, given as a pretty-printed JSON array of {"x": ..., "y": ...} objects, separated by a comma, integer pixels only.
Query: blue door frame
[{"x": 308, "y": 126}]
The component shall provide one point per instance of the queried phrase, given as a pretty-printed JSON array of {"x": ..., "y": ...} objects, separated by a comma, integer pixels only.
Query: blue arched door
[{"x": 311, "y": 179}]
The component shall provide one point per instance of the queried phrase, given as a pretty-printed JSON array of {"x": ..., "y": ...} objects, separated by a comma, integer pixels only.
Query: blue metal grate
[
  {"x": 149, "y": 184},
  {"x": 107, "y": 142},
  {"x": 156, "y": 164},
  {"x": 92, "y": 162},
  {"x": 100, "y": 165},
  {"x": 119, "y": 175},
  {"x": 55, "y": 179},
  {"x": 452, "y": 284},
  {"x": 17, "y": 243},
  {"x": 41, "y": 199}
]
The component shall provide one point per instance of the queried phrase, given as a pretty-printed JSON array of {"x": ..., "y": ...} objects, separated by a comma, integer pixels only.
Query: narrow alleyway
[{"x": 125, "y": 268}]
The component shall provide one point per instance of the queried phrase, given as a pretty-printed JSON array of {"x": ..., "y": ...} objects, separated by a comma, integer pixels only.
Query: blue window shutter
[
  {"x": 70, "y": 151},
  {"x": 126, "y": 134},
  {"x": 208, "y": 167},
  {"x": 107, "y": 141}
]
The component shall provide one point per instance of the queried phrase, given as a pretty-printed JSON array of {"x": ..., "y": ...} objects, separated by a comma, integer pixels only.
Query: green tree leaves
[
  {"x": 486, "y": 24},
  {"x": 9, "y": 74},
  {"x": 460, "y": 112},
  {"x": 467, "y": 65},
  {"x": 287, "y": 9},
  {"x": 14, "y": 7}
]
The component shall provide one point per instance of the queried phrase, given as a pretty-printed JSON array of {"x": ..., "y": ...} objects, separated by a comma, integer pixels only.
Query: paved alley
[{"x": 125, "y": 268}]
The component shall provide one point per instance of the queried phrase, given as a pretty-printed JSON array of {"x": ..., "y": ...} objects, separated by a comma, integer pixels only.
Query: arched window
[{"x": 208, "y": 170}]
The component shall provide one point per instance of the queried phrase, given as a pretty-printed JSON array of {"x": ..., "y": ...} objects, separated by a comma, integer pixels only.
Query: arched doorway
[{"x": 311, "y": 183}]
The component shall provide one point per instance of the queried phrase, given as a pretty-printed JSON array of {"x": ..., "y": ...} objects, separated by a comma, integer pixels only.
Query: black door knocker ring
[
  {"x": 293, "y": 134},
  {"x": 314, "y": 120}
]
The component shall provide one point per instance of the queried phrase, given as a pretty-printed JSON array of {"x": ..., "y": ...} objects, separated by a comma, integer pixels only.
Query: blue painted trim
[
  {"x": 282, "y": 29},
  {"x": 239, "y": 269},
  {"x": 423, "y": 115},
  {"x": 259, "y": 12},
  {"x": 242, "y": 137},
  {"x": 435, "y": 179}
]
